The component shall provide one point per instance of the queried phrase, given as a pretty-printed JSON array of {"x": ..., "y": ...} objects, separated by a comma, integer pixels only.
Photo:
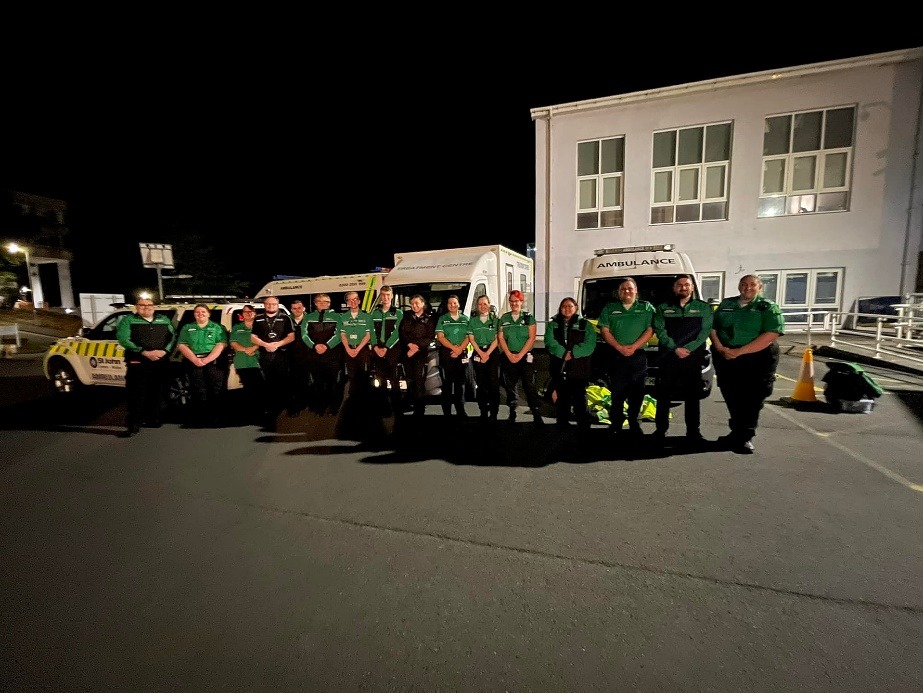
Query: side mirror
[{"x": 83, "y": 331}]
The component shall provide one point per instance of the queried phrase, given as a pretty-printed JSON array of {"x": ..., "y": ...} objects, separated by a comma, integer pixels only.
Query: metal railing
[{"x": 893, "y": 336}]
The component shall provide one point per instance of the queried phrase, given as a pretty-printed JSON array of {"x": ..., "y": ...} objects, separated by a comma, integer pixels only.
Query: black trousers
[
  {"x": 745, "y": 383},
  {"x": 324, "y": 370},
  {"x": 253, "y": 396},
  {"x": 514, "y": 373},
  {"x": 453, "y": 373},
  {"x": 679, "y": 380},
  {"x": 487, "y": 377},
  {"x": 387, "y": 370},
  {"x": 626, "y": 384},
  {"x": 206, "y": 386},
  {"x": 357, "y": 371},
  {"x": 571, "y": 399},
  {"x": 415, "y": 368},
  {"x": 277, "y": 392},
  {"x": 146, "y": 385}
]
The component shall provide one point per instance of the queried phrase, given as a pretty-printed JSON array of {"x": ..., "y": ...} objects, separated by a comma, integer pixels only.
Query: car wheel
[
  {"x": 64, "y": 379},
  {"x": 179, "y": 393}
]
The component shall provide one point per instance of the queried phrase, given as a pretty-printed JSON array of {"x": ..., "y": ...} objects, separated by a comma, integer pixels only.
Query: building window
[
  {"x": 807, "y": 161},
  {"x": 600, "y": 183},
  {"x": 711, "y": 286},
  {"x": 690, "y": 170},
  {"x": 804, "y": 295}
]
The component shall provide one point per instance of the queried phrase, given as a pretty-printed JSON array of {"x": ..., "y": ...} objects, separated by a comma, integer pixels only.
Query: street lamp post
[{"x": 16, "y": 248}]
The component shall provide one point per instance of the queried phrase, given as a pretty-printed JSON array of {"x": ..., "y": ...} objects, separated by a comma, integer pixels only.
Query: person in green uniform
[
  {"x": 682, "y": 326},
  {"x": 452, "y": 335},
  {"x": 625, "y": 326},
  {"x": 570, "y": 345},
  {"x": 355, "y": 334},
  {"x": 148, "y": 339},
  {"x": 746, "y": 354},
  {"x": 482, "y": 334},
  {"x": 247, "y": 365},
  {"x": 516, "y": 335},
  {"x": 321, "y": 334},
  {"x": 386, "y": 349},
  {"x": 202, "y": 343}
]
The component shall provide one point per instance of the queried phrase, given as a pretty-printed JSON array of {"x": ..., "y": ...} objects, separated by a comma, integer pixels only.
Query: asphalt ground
[{"x": 449, "y": 558}]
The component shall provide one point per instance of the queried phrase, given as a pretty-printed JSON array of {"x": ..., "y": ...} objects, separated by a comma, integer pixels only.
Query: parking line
[{"x": 872, "y": 464}]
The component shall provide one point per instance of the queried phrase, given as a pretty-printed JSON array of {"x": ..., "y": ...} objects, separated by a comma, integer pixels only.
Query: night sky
[{"x": 308, "y": 176}]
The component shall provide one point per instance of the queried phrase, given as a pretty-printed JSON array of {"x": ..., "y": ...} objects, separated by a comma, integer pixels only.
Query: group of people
[
  {"x": 317, "y": 360},
  {"x": 742, "y": 329}
]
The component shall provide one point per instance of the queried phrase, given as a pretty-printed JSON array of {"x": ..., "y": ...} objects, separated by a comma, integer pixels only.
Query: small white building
[{"x": 810, "y": 177}]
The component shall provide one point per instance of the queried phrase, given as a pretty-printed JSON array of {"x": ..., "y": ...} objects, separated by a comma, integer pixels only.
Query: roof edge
[{"x": 891, "y": 57}]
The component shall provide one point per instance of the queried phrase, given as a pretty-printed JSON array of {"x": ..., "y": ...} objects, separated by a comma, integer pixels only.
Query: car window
[{"x": 108, "y": 328}]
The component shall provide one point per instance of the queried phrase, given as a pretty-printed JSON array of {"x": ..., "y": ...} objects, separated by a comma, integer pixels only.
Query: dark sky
[{"x": 299, "y": 173}]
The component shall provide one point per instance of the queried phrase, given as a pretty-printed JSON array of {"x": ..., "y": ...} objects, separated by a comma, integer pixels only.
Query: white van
[
  {"x": 655, "y": 269},
  {"x": 469, "y": 273},
  {"x": 305, "y": 288}
]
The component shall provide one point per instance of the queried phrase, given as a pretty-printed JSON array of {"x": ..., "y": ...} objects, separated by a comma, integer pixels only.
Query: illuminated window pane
[
  {"x": 770, "y": 285},
  {"x": 771, "y": 207},
  {"x": 714, "y": 182},
  {"x": 803, "y": 170},
  {"x": 612, "y": 191},
  {"x": 796, "y": 288},
  {"x": 773, "y": 176},
  {"x": 587, "y": 194},
  {"x": 801, "y": 204},
  {"x": 689, "y": 184},
  {"x": 825, "y": 288},
  {"x": 663, "y": 186},
  {"x": 835, "y": 170}
]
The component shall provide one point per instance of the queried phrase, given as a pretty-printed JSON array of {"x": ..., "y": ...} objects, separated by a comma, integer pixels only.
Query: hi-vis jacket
[{"x": 321, "y": 327}]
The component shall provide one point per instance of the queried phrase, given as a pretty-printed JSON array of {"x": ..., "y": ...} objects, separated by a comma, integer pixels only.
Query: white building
[{"x": 809, "y": 176}]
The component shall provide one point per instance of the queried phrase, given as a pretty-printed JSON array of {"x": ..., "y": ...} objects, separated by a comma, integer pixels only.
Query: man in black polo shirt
[{"x": 273, "y": 332}]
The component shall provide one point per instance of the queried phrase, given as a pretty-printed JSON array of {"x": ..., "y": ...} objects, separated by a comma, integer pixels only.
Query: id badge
[
  {"x": 465, "y": 359},
  {"x": 529, "y": 357}
]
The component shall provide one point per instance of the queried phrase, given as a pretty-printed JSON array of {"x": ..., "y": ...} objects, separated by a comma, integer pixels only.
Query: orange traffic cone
[{"x": 804, "y": 388}]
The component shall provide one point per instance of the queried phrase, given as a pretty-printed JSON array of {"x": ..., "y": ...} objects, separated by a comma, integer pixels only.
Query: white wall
[{"x": 868, "y": 240}]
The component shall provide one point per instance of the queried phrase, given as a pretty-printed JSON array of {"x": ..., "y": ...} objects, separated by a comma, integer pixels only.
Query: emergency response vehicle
[
  {"x": 654, "y": 268},
  {"x": 95, "y": 358}
]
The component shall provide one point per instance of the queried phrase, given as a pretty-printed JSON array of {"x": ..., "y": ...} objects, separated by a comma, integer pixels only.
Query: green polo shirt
[
  {"x": 201, "y": 340},
  {"x": 627, "y": 324},
  {"x": 240, "y": 333},
  {"x": 454, "y": 329},
  {"x": 738, "y": 325},
  {"x": 484, "y": 333},
  {"x": 516, "y": 332},
  {"x": 355, "y": 328}
]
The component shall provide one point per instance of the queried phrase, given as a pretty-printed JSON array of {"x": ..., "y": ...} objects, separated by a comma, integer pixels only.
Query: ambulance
[
  {"x": 336, "y": 286},
  {"x": 654, "y": 268},
  {"x": 94, "y": 357}
]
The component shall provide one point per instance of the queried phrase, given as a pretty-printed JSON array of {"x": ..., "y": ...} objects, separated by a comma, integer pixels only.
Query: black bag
[{"x": 848, "y": 382}]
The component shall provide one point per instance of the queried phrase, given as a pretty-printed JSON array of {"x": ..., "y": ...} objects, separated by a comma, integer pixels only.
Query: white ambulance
[{"x": 654, "y": 268}]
